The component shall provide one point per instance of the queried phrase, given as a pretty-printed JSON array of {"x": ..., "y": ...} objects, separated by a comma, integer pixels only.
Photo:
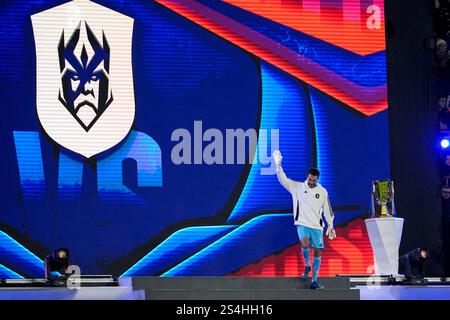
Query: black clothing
[
  {"x": 412, "y": 260},
  {"x": 53, "y": 263}
]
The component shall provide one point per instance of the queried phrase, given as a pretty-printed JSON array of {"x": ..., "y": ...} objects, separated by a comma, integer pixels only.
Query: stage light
[
  {"x": 56, "y": 263},
  {"x": 445, "y": 143}
]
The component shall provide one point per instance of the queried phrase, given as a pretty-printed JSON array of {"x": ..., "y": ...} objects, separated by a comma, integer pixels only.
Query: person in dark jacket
[
  {"x": 57, "y": 262},
  {"x": 413, "y": 260}
]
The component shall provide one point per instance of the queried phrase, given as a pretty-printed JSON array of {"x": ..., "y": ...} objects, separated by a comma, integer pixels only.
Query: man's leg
[
  {"x": 305, "y": 241},
  {"x": 305, "y": 251},
  {"x": 316, "y": 263},
  {"x": 317, "y": 244},
  {"x": 405, "y": 266}
]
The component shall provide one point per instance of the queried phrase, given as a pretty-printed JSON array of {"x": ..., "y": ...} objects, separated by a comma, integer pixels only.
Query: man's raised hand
[{"x": 277, "y": 157}]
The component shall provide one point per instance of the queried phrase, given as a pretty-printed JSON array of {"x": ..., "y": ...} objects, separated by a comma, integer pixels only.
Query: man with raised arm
[{"x": 309, "y": 200}]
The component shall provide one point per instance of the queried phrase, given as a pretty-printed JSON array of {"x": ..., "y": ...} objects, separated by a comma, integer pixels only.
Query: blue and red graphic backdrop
[{"x": 314, "y": 69}]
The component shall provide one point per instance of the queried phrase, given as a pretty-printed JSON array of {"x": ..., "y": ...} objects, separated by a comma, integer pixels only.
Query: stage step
[
  {"x": 241, "y": 288},
  {"x": 139, "y": 283},
  {"x": 251, "y": 294}
]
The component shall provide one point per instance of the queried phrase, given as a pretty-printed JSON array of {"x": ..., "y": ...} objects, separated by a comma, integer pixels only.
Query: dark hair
[{"x": 314, "y": 171}]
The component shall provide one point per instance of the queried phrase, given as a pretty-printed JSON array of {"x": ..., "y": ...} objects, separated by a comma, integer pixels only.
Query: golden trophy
[{"x": 383, "y": 199}]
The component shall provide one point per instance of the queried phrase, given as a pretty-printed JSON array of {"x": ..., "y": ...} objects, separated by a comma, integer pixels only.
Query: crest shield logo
[{"x": 84, "y": 78}]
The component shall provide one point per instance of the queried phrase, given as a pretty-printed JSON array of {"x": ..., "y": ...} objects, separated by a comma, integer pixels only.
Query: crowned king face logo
[
  {"x": 84, "y": 81},
  {"x": 85, "y": 88}
]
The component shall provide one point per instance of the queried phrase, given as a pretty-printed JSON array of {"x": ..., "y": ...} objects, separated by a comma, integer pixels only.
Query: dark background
[{"x": 413, "y": 119}]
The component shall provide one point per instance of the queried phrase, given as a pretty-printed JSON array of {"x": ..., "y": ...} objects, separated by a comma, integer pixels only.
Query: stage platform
[
  {"x": 89, "y": 293},
  {"x": 240, "y": 288},
  {"x": 429, "y": 292},
  {"x": 194, "y": 288},
  {"x": 234, "y": 288}
]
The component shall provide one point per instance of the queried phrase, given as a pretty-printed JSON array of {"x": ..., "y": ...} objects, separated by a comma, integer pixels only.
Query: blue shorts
[{"x": 315, "y": 236}]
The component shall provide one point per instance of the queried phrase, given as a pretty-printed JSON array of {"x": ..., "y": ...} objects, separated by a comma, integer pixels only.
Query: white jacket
[{"x": 308, "y": 203}]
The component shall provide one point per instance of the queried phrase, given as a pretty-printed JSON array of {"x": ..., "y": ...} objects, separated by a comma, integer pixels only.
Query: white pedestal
[{"x": 385, "y": 235}]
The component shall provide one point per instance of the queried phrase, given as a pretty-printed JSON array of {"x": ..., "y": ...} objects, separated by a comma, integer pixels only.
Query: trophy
[{"x": 383, "y": 199}]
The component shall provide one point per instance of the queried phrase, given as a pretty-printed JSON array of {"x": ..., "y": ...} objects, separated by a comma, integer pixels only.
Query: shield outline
[{"x": 57, "y": 122}]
